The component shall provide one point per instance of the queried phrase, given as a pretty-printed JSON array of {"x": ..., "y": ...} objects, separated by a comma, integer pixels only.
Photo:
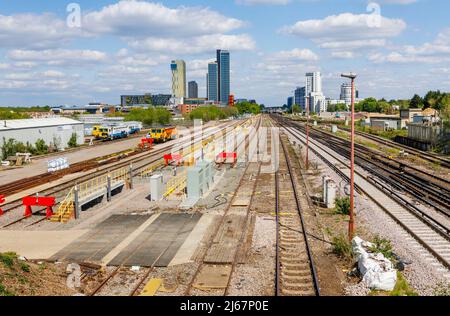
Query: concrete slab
[
  {"x": 226, "y": 242},
  {"x": 96, "y": 244},
  {"x": 37, "y": 244},
  {"x": 213, "y": 277},
  {"x": 126, "y": 242},
  {"x": 187, "y": 250},
  {"x": 159, "y": 242}
]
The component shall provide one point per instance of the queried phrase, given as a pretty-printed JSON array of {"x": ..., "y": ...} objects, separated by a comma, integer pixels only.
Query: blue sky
[{"x": 398, "y": 47}]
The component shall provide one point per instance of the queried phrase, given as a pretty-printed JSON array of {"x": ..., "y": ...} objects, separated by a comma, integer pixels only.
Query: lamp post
[
  {"x": 307, "y": 133},
  {"x": 351, "y": 223}
]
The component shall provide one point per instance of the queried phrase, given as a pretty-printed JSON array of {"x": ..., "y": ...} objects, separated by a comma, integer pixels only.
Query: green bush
[
  {"x": 41, "y": 147},
  {"x": 384, "y": 246},
  {"x": 73, "y": 141},
  {"x": 4, "y": 291},
  {"x": 25, "y": 267},
  {"x": 211, "y": 113},
  {"x": 8, "y": 258},
  {"x": 150, "y": 116},
  {"x": 342, "y": 206},
  {"x": 342, "y": 247}
]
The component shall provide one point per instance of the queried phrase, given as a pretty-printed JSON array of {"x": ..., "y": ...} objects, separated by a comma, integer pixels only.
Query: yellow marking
[
  {"x": 283, "y": 214},
  {"x": 151, "y": 287}
]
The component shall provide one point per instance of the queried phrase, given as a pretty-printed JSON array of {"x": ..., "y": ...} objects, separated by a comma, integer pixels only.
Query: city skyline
[{"x": 119, "y": 52}]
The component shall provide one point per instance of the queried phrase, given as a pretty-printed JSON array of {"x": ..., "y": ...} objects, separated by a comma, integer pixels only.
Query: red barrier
[
  {"x": 2, "y": 200},
  {"x": 223, "y": 156},
  {"x": 172, "y": 157},
  {"x": 145, "y": 141},
  {"x": 30, "y": 201}
]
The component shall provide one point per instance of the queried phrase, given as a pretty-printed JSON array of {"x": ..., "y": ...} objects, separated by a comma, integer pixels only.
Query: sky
[{"x": 58, "y": 52}]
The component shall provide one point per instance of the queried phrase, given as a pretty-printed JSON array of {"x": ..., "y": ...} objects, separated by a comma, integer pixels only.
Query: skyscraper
[
  {"x": 313, "y": 82},
  {"x": 346, "y": 93},
  {"x": 223, "y": 71},
  {"x": 193, "y": 89},
  {"x": 212, "y": 82},
  {"x": 178, "y": 68},
  {"x": 313, "y": 90},
  {"x": 300, "y": 97}
]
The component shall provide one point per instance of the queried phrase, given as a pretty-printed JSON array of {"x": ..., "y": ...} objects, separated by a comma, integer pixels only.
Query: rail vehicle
[
  {"x": 162, "y": 134},
  {"x": 113, "y": 132}
]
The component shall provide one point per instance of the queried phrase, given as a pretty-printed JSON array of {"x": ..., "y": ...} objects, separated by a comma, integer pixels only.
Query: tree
[
  {"x": 416, "y": 102},
  {"x": 247, "y": 108},
  {"x": 296, "y": 108},
  {"x": 41, "y": 147},
  {"x": 73, "y": 141}
]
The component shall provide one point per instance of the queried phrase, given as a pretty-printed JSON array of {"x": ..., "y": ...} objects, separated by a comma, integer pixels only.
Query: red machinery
[
  {"x": 172, "y": 157},
  {"x": 30, "y": 201},
  {"x": 2, "y": 200},
  {"x": 146, "y": 142},
  {"x": 225, "y": 157}
]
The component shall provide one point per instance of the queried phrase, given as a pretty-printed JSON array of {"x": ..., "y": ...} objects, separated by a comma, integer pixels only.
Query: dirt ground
[{"x": 24, "y": 278}]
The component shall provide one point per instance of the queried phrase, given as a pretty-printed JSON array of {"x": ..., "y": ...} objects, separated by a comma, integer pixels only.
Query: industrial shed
[{"x": 48, "y": 129}]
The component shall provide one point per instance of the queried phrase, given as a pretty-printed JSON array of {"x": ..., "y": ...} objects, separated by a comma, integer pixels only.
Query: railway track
[
  {"x": 430, "y": 233},
  {"x": 434, "y": 158},
  {"x": 295, "y": 274},
  {"x": 124, "y": 271},
  {"x": 140, "y": 162},
  {"x": 246, "y": 177},
  {"x": 431, "y": 190}
]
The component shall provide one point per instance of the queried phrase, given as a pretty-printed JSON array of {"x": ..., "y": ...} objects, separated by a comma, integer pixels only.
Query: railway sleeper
[
  {"x": 297, "y": 273},
  {"x": 294, "y": 266},
  {"x": 294, "y": 280},
  {"x": 289, "y": 292}
]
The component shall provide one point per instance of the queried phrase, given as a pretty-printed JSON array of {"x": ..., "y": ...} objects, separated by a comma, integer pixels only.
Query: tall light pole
[
  {"x": 307, "y": 132},
  {"x": 351, "y": 223}
]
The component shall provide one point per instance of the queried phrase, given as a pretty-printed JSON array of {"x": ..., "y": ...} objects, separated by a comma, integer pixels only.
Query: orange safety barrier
[
  {"x": 145, "y": 141},
  {"x": 30, "y": 201},
  {"x": 2, "y": 200},
  {"x": 172, "y": 157},
  {"x": 223, "y": 156}
]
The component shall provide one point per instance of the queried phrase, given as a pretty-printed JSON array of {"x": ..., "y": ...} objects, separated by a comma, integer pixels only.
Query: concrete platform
[
  {"x": 159, "y": 242},
  {"x": 37, "y": 244},
  {"x": 96, "y": 244}
]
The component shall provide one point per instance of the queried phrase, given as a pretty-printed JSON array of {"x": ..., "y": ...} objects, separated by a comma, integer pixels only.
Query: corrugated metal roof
[{"x": 39, "y": 122}]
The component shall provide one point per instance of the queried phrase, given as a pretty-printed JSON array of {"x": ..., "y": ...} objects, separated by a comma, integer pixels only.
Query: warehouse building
[{"x": 48, "y": 129}]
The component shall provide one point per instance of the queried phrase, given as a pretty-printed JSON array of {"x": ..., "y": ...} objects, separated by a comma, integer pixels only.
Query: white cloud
[
  {"x": 196, "y": 45},
  {"x": 347, "y": 31},
  {"x": 34, "y": 31},
  {"x": 146, "y": 19},
  {"x": 264, "y": 2},
  {"x": 58, "y": 57},
  {"x": 435, "y": 52},
  {"x": 295, "y": 54}
]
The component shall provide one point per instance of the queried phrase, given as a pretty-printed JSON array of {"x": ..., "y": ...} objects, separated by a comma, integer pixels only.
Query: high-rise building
[
  {"x": 178, "y": 68},
  {"x": 213, "y": 82},
  {"x": 223, "y": 71},
  {"x": 193, "y": 89},
  {"x": 313, "y": 82},
  {"x": 313, "y": 90},
  {"x": 346, "y": 93},
  {"x": 290, "y": 102},
  {"x": 300, "y": 94}
]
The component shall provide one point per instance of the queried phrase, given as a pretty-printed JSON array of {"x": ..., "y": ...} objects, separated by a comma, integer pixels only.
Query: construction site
[{"x": 244, "y": 207}]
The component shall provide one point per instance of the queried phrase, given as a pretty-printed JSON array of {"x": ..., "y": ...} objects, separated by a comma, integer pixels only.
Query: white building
[
  {"x": 51, "y": 130},
  {"x": 346, "y": 93},
  {"x": 313, "y": 89},
  {"x": 313, "y": 82}
]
